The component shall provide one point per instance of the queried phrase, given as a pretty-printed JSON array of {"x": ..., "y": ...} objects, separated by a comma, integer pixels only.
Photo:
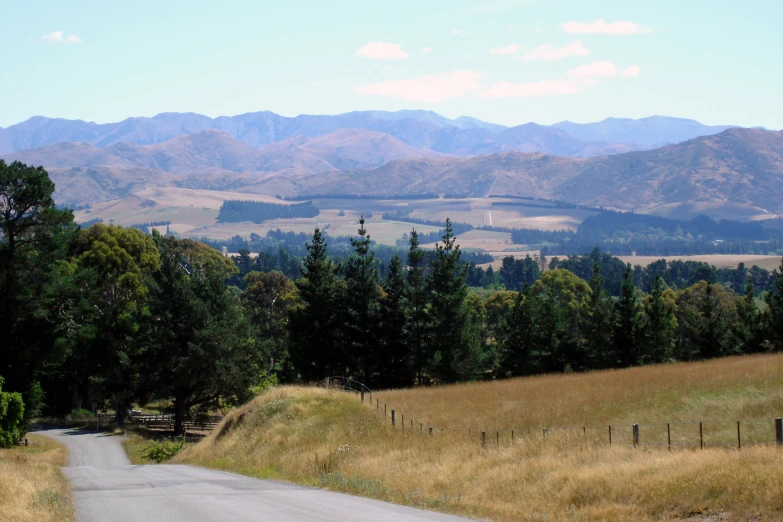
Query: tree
[
  {"x": 315, "y": 335},
  {"x": 362, "y": 303},
  {"x": 705, "y": 313},
  {"x": 517, "y": 347},
  {"x": 660, "y": 326},
  {"x": 200, "y": 347},
  {"x": 114, "y": 264},
  {"x": 11, "y": 417},
  {"x": 774, "y": 317},
  {"x": 628, "y": 323},
  {"x": 597, "y": 324},
  {"x": 416, "y": 309},
  {"x": 394, "y": 358},
  {"x": 33, "y": 242},
  {"x": 747, "y": 329},
  {"x": 448, "y": 313}
]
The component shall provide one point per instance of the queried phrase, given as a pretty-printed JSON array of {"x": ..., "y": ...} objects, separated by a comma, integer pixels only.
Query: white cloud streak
[
  {"x": 632, "y": 71},
  {"x": 509, "y": 49},
  {"x": 600, "y": 26},
  {"x": 549, "y": 52},
  {"x": 427, "y": 50},
  {"x": 458, "y": 32},
  {"x": 59, "y": 36},
  {"x": 382, "y": 51},
  {"x": 433, "y": 88}
]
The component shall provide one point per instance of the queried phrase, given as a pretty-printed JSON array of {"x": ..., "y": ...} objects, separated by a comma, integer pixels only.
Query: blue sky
[{"x": 504, "y": 61}]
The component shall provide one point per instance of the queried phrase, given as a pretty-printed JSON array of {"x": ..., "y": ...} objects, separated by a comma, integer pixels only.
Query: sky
[{"x": 502, "y": 61}]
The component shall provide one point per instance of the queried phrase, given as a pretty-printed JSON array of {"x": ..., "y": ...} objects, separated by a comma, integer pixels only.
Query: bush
[
  {"x": 80, "y": 415},
  {"x": 11, "y": 417},
  {"x": 160, "y": 450}
]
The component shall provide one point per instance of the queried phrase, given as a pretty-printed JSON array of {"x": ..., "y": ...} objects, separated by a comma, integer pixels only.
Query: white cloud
[
  {"x": 457, "y": 32},
  {"x": 603, "y": 27},
  {"x": 427, "y": 50},
  {"x": 433, "y": 88},
  {"x": 509, "y": 49},
  {"x": 632, "y": 71},
  {"x": 550, "y": 52},
  {"x": 531, "y": 89},
  {"x": 315, "y": 84},
  {"x": 593, "y": 70},
  {"x": 382, "y": 51},
  {"x": 58, "y": 36}
]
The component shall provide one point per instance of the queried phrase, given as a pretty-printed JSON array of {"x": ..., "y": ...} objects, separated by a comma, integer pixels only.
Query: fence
[
  {"x": 166, "y": 421},
  {"x": 701, "y": 434}
]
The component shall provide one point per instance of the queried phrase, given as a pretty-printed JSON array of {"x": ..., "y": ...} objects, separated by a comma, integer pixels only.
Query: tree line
[
  {"x": 111, "y": 317},
  {"x": 236, "y": 211}
]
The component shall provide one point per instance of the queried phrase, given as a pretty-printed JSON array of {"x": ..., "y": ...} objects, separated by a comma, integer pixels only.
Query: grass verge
[{"x": 32, "y": 487}]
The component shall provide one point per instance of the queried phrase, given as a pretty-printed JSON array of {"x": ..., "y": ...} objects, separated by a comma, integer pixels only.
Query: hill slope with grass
[{"x": 330, "y": 439}]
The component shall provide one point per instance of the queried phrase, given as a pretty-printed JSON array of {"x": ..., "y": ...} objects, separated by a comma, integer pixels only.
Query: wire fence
[{"x": 697, "y": 434}]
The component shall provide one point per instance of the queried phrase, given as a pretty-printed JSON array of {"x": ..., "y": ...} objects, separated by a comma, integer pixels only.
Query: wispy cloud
[
  {"x": 632, "y": 71},
  {"x": 58, "y": 36},
  {"x": 509, "y": 49},
  {"x": 493, "y": 6},
  {"x": 427, "y": 50},
  {"x": 603, "y": 27},
  {"x": 458, "y": 32},
  {"x": 432, "y": 88},
  {"x": 550, "y": 52},
  {"x": 315, "y": 84},
  {"x": 575, "y": 81},
  {"x": 382, "y": 51}
]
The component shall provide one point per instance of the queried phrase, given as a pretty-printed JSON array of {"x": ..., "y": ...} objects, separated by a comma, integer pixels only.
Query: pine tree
[
  {"x": 315, "y": 342},
  {"x": 658, "y": 330},
  {"x": 362, "y": 303},
  {"x": 774, "y": 317},
  {"x": 627, "y": 323},
  {"x": 747, "y": 328},
  {"x": 416, "y": 310},
  {"x": 713, "y": 338},
  {"x": 597, "y": 323},
  {"x": 394, "y": 361},
  {"x": 516, "y": 350}
]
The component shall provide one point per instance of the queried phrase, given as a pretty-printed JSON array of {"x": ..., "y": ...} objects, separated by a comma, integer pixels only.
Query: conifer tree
[
  {"x": 774, "y": 317},
  {"x": 659, "y": 328},
  {"x": 627, "y": 323},
  {"x": 712, "y": 338},
  {"x": 416, "y": 311},
  {"x": 315, "y": 341},
  {"x": 597, "y": 323},
  {"x": 517, "y": 348},
  {"x": 747, "y": 328},
  {"x": 393, "y": 362}
]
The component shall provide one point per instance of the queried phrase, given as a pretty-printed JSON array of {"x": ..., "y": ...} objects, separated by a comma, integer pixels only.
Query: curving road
[{"x": 107, "y": 487}]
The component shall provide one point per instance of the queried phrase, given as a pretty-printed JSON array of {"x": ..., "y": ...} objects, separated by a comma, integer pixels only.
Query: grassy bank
[
  {"x": 329, "y": 439},
  {"x": 32, "y": 487}
]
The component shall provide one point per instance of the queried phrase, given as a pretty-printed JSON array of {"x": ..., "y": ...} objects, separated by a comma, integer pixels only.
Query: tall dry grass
[
  {"x": 32, "y": 487},
  {"x": 329, "y": 439}
]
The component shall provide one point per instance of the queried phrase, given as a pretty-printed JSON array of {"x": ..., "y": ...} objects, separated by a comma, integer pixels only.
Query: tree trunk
[{"x": 180, "y": 409}]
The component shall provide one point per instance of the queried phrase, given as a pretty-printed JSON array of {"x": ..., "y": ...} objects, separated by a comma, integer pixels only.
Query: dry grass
[
  {"x": 718, "y": 260},
  {"x": 32, "y": 487},
  {"x": 329, "y": 439}
]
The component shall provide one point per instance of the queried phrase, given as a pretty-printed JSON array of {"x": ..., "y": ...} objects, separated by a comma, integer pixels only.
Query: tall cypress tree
[
  {"x": 448, "y": 291},
  {"x": 627, "y": 323},
  {"x": 712, "y": 339},
  {"x": 747, "y": 328},
  {"x": 361, "y": 303},
  {"x": 315, "y": 347},
  {"x": 517, "y": 348},
  {"x": 393, "y": 362},
  {"x": 774, "y": 317},
  {"x": 597, "y": 323},
  {"x": 658, "y": 331},
  {"x": 416, "y": 301}
]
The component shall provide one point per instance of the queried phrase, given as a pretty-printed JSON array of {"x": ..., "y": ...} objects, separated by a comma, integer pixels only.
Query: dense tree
[
  {"x": 747, "y": 329},
  {"x": 774, "y": 317},
  {"x": 657, "y": 344},
  {"x": 628, "y": 323},
  {"x": 417, "y": 313},
  {"x": 597, "y": 324},
  {"x": 394, "y": 361},
  {"x": 518, "y": 343}
]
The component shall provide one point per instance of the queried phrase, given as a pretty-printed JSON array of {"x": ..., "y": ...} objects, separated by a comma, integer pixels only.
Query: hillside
[{"x": 329, "y": 439}]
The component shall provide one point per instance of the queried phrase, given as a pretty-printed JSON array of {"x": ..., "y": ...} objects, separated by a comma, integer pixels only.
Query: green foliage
[
  {"x": 263, "y": 383},
  {"x": 80, "y": 415},
  {"x": 11, "y": 417},
  {"x": 162, "y": 450},
  {"x": 234, "y": 211}
]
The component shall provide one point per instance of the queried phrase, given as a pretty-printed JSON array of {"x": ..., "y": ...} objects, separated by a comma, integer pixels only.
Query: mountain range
[{"x": 418, "y": 129}]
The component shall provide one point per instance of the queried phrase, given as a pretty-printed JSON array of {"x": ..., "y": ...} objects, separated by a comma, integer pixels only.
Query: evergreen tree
[
  {"x": 597, "y": 324},
  {"x": 416, "y": 309},
  {"x": 712, "y": 339},
  {"x": 449, "y": 315},
  {"x": 628, "y": 323},
  {"x": 315, "y": 335},
  {"x": 659, "y": 327},
  {"x": 517, "y": 346},
  {"x": 394, "y": 360},
  {"x": 362, "y": 304},
  {"x": 774, "y": 317},
  {"x": 747, "y": 328}
]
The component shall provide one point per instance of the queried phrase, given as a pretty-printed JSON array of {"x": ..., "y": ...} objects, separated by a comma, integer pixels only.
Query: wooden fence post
[
  {"x": 669, "y": 435},
  {"x": 497, "y": 438},
  {"x": 430, "y": 431},
  {"x": 739, "y": 436},
  {"x": 377, "y": 405},
  {"x": 384, "y": 410},
  {"x": 483, "y": 438},
  {"x": 421, "y": 427},
  {"x": 394, "y": 420},
  {"x": 545, "y": 432},
  {"x": 402, "y": 421},
  {"x": 701, "y": 435},
  {"x": 779, "y": 432},
  {"x": 610, "y": 434},
  {"x": 635, "y": 435},
  {"x": 512, "y": 436}
]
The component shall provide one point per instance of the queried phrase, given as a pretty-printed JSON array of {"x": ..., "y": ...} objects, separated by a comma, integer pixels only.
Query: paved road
[{"x": 107, "y": 487}]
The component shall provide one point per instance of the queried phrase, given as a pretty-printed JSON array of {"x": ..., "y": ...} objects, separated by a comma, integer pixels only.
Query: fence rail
[{"x": 166, "y": 421}]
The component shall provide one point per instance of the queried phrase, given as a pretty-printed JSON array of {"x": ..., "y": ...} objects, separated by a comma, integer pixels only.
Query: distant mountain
[
  {"x": 418, "y": 129},
  {"x": 654, "y": 131},
  {"x": 739, "y": 166}
]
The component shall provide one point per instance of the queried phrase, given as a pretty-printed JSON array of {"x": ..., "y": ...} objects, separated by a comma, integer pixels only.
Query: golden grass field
[
  {"x": 718, "y": 260},
  {"x": 32, "y": 487},
  {"x": 329, "y": 439}
]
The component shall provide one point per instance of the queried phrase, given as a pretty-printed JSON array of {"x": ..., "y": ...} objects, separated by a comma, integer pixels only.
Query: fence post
[
  {"x": 384, "y": 409},
  {"x": 635, "y": 435},
  {"x": 545, "y": 432},
  {"x": 584, "y": 432},
  {"x": 739, "y": 436},
  {"x": 610, "y": 434},
  {"x": 779, "y": 431},
  {"x": 701, "y": 435},
  {"x": 394, "y": 419},
  {"x": 483, "y": 438},
  {"x": 377, "y": 405},
  {"x": 430, "y": 431},
  {"x": 497, "y": 438},
  {"x": 512, "y": 436},
  {"x": 402, "y": 421},
  {"x": 669, "y": 435},
  {"x": 421, "y": 427}
]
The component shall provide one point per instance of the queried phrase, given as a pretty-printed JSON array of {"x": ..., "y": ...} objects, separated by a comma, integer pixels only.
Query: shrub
[
  {"x": 160, "y": 450},
  {"x": 11, "y": 417},
  {"x": 80, "y": 415}
]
